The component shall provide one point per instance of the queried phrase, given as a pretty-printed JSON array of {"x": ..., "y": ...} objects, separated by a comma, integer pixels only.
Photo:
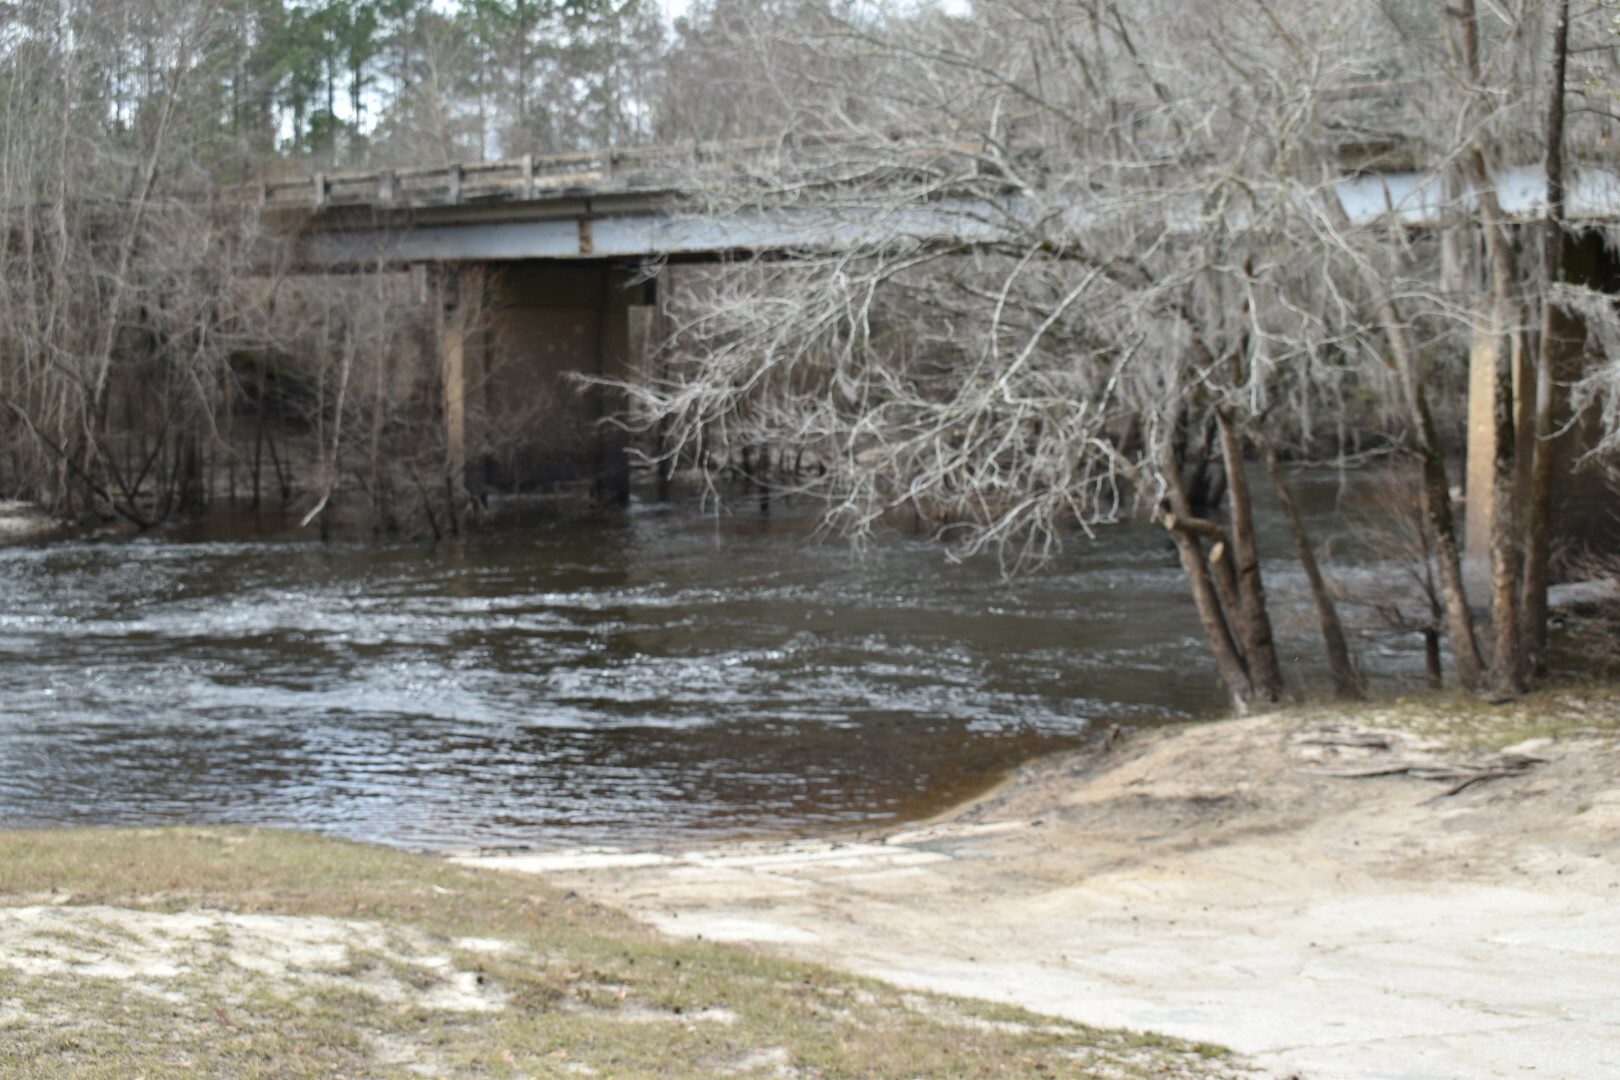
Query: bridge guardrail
[
  {"x": 659, "y": 167},
  {"x": 531, "y": 176}
]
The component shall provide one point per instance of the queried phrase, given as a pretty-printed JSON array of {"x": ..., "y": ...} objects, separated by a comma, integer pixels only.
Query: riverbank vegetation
[
  {"x": 158, "y": 359},
  {"x": 241, "y": 952}
]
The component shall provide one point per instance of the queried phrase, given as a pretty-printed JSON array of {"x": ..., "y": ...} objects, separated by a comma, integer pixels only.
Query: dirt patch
[
  {"x": 1339, "y": 895},
  {"x": 227, "y": 957}
]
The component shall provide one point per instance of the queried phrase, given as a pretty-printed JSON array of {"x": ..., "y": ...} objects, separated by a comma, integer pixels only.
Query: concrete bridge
[
  {"x": 635, "y": 204},
  {"x": 558, "y": 247}
]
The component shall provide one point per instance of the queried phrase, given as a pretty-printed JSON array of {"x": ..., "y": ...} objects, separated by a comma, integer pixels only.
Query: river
[{"x": 570, "y": 677}]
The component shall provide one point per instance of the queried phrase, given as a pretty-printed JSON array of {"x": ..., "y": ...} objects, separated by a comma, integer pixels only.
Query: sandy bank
[
  {"x": 1335, "y": 897},
  {"x": 22, "y": 520}
]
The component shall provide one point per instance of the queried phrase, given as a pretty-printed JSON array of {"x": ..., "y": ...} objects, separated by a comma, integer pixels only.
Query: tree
[
  {"x": 1502, "y": 100},
  {"x": 152, "y": 351},
  {"x": 1086, "y": 270},
  {"x": 106, "y": 277},
  {"x": 1103, "y": 248}
]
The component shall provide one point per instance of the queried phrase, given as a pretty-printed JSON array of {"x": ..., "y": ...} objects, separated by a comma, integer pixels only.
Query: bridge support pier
[
  {"x": 547, "y": 323},
  {"x": 455, "y": 295},
  {"x": 610, "y": 480}
]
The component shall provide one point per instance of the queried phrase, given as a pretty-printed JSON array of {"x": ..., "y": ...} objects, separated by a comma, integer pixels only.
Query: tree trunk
[
  {"x": 1180, "y": 523},
  {"x": 1507, "y": 655},
  {"x": 1436, "y": 489},
  {"x": 1253, "y": 621},
  {"x": 1538, "y": 502},
  {"x": 1437, "y": 507},
  {"x": 1347, "y": 681},
  {"x": 1220, "y": 562}
]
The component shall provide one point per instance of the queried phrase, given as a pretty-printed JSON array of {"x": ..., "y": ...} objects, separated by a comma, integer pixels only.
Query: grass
[
  {"x": 224, "y": 952},
  {"x": 1470, "y": 724}
]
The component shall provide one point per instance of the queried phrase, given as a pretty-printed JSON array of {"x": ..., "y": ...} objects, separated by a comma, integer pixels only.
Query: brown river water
[{"x": 572, "y": 677}]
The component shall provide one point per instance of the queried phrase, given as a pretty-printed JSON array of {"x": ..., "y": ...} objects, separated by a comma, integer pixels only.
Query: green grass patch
[{"x": 253, "y": 953}]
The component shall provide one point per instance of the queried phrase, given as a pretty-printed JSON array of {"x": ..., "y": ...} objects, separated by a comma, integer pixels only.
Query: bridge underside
[{"x": 515, "y": 340}]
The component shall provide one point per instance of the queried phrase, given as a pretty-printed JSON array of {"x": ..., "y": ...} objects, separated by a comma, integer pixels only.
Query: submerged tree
[
  {"x": 117, "y": 297},
  {"x": 153, "y": 353}
]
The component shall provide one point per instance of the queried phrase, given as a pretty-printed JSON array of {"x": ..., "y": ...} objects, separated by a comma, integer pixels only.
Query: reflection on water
[{"x": 580, "y": 679}]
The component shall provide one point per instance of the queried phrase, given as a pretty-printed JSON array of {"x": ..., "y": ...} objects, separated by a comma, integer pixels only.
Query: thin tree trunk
[
  {"x": 1224, "y": 575},
  {"x": 283, "y": 474},
  {"x": 379, "y": 483},
  {"x": 1229, "y": 662},
  {"x": 1254, "y": 623},
  {"x": 1538, "y": 504},
  {"x": 258, "y": 444},
  {"x": 1347, "y": 681},
  {"x": 1437, "y": 507}
]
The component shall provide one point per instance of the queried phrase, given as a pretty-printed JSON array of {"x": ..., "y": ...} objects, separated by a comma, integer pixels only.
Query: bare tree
[
  {"x": 154, "y": 352},
  {"x": 1504, "y": 101},
  {"x": 118, "y": 297},
  {"x": 1059, "y": 261},
  {"x": 1063, "y": 259},
  {"x": 1395, "y": 533}
]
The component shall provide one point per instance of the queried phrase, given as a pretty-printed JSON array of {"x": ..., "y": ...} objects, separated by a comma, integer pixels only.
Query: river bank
[
  {"x": 231, "y": 953},
  {"x": 1423, "y": 889},
  {"x": 21, "y": 520}
]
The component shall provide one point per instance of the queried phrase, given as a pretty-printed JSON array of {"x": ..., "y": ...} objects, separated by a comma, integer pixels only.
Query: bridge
[
  {"x": 568, "y": 238},
  {"x": 634, "y": 203}
]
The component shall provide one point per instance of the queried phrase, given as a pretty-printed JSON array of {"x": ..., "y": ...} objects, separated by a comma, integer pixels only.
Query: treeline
[
  {"x": 353, "y": 83},
  {"x": 155, "y": 356},
  {"x": 278, "y": 85}
]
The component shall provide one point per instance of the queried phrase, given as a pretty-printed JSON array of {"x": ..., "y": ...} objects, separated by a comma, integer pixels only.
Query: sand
[{"x": 1315, "y": 892}]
